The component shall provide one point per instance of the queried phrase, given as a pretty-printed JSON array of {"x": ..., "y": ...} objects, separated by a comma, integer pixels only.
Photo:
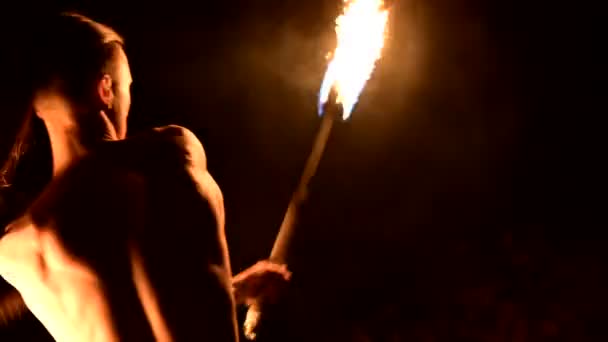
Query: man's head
[
  {"x": 74, "y": 75},
  {"x": 80, "y": 74}
]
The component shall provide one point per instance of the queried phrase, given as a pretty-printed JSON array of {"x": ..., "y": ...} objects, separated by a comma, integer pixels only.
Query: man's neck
[
  {"x": 66, "y": 145},
  {"x": 72, "y": 135}
]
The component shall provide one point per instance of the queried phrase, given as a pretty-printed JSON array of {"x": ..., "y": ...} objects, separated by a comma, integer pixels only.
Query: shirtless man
[{"x": 126, "y": 242}]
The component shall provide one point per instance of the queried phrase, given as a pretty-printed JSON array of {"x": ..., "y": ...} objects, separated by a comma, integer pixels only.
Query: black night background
[{"x": 461, "y": 202}]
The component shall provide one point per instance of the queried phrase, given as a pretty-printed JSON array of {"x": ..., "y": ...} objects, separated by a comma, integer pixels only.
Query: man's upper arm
[
  {"x": 203, "y": 214},
  {"x": 196, "y": 163}
]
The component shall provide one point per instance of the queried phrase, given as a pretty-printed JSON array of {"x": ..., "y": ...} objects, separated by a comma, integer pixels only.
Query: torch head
[
  {"x": 332, "y": 106},
  {"x": 360, "y": 32}
]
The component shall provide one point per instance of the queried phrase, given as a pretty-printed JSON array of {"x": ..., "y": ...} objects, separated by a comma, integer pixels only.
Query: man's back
[{"x": 127, "y": 242}]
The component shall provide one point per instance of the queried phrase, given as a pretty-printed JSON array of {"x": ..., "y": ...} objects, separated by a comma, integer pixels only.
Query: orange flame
[{"x": 360, "y": 31}]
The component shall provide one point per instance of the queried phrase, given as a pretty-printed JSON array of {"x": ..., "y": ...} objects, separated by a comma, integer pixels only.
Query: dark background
[{"x": 461, "y": 202}]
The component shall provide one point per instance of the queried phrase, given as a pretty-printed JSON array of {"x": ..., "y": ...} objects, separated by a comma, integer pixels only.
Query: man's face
[{"x": 121, "y": 86}]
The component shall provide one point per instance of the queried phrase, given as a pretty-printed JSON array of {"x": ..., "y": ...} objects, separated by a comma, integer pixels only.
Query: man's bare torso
[{"x": 128, "y": 244}]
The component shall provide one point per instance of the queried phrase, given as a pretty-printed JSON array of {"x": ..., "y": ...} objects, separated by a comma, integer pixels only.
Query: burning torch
[{"x": 360, "y": 32}]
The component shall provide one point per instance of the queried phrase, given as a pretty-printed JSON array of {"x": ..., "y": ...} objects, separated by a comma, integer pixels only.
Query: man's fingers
[
  {"x": 264, "y": 279},
  {"x": 285, "y": 272},
  {"x": 260, "y": 269},
  {"x": 268, "y": 268},
  {"x": 261, "y": 279}
]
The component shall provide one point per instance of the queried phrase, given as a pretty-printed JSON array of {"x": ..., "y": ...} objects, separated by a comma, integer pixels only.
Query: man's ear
[{"x": 104, "y": 90}]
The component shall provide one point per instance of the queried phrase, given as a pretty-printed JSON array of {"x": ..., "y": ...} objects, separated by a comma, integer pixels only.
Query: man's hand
[{"x": 261, "y": 282}]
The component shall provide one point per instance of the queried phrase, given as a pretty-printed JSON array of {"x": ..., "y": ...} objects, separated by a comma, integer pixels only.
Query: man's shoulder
[
  {"x": 156, "y": 150},
  {"x": 193, "y": 160},
  {"x": 184, "y": 141}
]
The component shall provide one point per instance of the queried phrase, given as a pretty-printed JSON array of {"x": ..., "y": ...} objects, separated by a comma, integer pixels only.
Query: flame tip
[{"x": 361, "y": 33}]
